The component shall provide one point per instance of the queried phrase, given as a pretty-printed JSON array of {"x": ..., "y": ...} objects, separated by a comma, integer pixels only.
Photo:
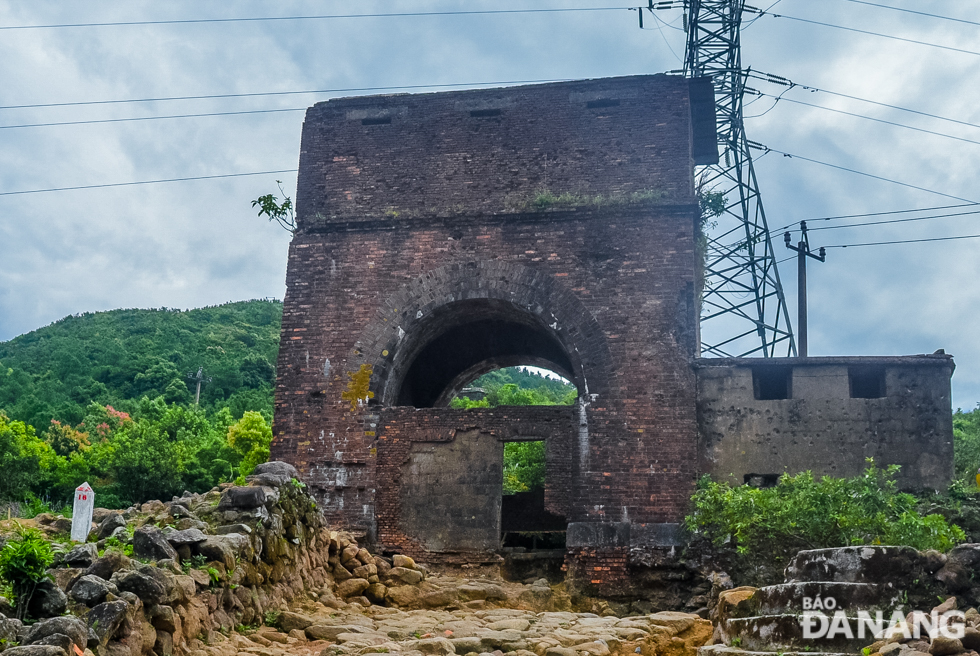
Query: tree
[
  {"x": 145, "y": 463},
  {"x": 28, "y": 464},
  {"x": 66, "y": 440},
  {"x": 250, "y": 438},
  {"x": 524, "y": 466}
]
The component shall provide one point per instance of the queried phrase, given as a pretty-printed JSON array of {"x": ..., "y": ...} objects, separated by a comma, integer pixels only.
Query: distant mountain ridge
[{"x": 119, "y": 356}]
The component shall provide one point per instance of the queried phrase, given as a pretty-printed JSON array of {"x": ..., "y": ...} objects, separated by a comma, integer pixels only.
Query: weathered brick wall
[
  {"x": 821, "y": 426},
  {"x": 416, "y": 230},
  {"x": 490, "y": 151},
  {"x": 602, "y": 571}
]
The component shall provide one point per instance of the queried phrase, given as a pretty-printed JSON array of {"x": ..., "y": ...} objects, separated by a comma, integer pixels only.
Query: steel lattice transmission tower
[{"x": 743, "y": 309}]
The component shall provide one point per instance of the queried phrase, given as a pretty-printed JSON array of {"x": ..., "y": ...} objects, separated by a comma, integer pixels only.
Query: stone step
[
  {"x": 832, "y": 595},
  {"x": 865, "y": 564},
  {"x": 723, "y": 650},
  {"x": 786, "y": 633}
]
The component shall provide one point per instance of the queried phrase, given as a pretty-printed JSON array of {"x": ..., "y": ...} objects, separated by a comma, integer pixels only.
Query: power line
[
  {"x": 776, "y": 79},
  {"x": 885, "y": 36},
  {"x": 867, "y": 175},
  {"x": 275, "y": 93},
  {"x": 256, "y": 19},
  {"x": 921, "y": 209},
  {"x": 299, "y": 109},
  {"x": 143, "y": 182},
  {"x": 856, "y": 216},
  {"x": 917, "y": 218},
  {"x": 912, "y": 11},
  {"x": 150, "y": 118},
  {"x": 904, "y": 241},
  {"x": 868, "y": 118}
]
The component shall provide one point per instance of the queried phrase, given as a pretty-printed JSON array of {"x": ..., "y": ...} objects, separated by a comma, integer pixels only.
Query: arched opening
[
  {"x": 466, "y": 339},
  {"x": 502, "y": 355}
]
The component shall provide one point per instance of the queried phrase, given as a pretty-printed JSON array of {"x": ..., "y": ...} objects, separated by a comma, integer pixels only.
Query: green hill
[
  {"x": 107, "y": 397},
  {"x": 117, "y": 357}
]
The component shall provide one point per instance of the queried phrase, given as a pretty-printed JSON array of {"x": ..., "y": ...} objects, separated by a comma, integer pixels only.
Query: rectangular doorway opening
[{"x": 525, "y": 523}]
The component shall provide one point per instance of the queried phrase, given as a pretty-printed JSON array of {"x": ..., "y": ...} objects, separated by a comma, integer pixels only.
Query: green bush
[
  {"x": 966, "y": 446},
  {"x": 803, "y": 512},
  {"x": 24, "y": 560}
]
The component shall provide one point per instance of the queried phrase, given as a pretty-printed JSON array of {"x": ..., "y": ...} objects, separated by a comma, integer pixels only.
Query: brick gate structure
[
  {"x": 441, "y": 236},
  {"x": 444, "y": 235}
]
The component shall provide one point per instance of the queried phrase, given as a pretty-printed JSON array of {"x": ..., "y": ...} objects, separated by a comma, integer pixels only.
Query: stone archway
[
  {"x": 463, "y": 319},
  {"x": 440, "y": 469}
]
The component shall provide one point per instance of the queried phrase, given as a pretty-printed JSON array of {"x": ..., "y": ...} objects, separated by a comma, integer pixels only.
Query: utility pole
[
  {"x": 802, "y": 252},
  {"x": 199, "y": 377}
]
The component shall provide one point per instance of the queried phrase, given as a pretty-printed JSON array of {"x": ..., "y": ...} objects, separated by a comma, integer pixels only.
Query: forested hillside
[
  {"x": 108, "y": 397},
  {"x": 115, "y": 358}
]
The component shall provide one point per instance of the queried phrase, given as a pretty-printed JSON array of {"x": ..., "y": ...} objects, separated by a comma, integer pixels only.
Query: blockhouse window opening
[
  {"x": 376, "y": 121},
  {"x": 761, "y": 480},
  {"x": 866, "y": 382},
  {"x": 485, "y": 113},
  {"x": 602, "y": 102},
  {"x": 772, "y": 383}
]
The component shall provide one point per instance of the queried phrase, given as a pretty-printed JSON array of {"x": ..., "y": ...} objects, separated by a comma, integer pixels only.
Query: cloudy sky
[{"x": 192, "y": 243}]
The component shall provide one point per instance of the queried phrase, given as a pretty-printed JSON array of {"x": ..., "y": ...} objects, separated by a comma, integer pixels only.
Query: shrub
[
  {"x": 250, "y": 437},
  {"x": 24, "y": 560},
  {"x": 33, "y": 506},
  {"x": 803, "y": 512}
]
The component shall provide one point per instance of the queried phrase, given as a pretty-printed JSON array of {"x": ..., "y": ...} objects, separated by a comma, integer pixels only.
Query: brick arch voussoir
[{"x": 399, "y": 327}]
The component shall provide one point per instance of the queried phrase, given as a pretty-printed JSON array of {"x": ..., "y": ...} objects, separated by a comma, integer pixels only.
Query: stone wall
[
  {"x": 835, "y": 412},
  {"x": 442, "y": 470}
]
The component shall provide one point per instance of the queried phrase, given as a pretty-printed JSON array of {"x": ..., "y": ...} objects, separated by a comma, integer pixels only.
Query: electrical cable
[
  {"x": 912, "y": 11},
  {"x": 857, "y": 216},
  {"x": 785, "y": 81},
  {"x": 904, "y": 241},
  {"x": 761, "y": 14},
  {"x": 921, "y": 209},
  {"x": 143, "y": 182},
  {"x": 772, "y": 107},
  {"x": 664, "y": 36},
  {"x": 869, "y": 118},
  {"x": 879, "y": 34},
  {"x": 868, "y": 175},
  {"x": 256, "y": 19},
  {"x": 150, "y": 118},
  {"x": 873, "y": 223},
  {"x": 276, "y": 93}
]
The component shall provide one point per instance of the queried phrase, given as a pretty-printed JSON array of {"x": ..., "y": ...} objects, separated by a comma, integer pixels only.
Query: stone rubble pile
[
  {"x": 255, "y": 569},
  {"x": 936, "y": 644}
]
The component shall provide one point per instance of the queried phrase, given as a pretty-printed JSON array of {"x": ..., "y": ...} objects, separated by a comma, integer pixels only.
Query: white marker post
[{"x": 81, "y": 515}]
